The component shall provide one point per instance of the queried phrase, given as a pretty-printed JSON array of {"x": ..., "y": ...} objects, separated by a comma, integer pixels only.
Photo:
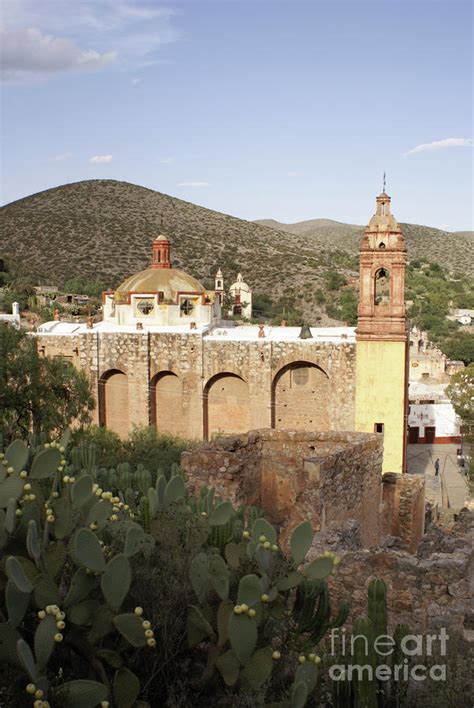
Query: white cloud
[
  {"x": 29, "y": 52},
  {"x": 56, "y": 35},
  {"x": 441, "y": 145},
  {"x": 100, "y": 159},
  {"x": 193, "y": 184},
  {"x": 135, "y": 81},
  {"x": 58, "y": 158},
  {"x": 166, "y": 160}
]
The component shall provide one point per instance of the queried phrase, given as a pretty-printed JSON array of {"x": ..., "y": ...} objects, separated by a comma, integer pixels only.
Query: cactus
[
  {"x": 143, "y": 479},
  {"x": 60, "y": 521},
  {"x": 261, "y": 600},
  {"x": 366, "y": 691},
  {"x": 377, "y": 606}
]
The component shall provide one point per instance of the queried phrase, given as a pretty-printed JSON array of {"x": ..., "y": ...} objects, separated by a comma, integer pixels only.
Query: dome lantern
[{"x": 160, "y": 252}]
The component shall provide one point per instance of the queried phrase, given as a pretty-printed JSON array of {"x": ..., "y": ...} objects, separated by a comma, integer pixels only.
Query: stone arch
[
  {"x": 114, "y": 402},
  {"x": 226, "y": 405},
  {"x": 382, "y": 286},
  {"x": 166, "y": 403},
  {"x": 301, "y": 397}
]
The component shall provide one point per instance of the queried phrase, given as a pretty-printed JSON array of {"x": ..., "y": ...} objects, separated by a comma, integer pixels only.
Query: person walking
[{"x": 436, "y": 466}]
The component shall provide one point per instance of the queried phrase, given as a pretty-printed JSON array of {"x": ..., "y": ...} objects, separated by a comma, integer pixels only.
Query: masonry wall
[
  {"x": 427, "y": 590},
  {"x": 248, "y": 373},
  {"x": 326, "y": 478}
]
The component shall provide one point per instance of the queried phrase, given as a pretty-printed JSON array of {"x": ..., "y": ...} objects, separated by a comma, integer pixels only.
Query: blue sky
[{"x": 285, "y": 109}]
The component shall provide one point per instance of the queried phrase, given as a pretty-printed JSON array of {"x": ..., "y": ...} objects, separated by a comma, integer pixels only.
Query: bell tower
[
  {"x": 382, "y": 336},
  {"x": 219, "y": 286}
]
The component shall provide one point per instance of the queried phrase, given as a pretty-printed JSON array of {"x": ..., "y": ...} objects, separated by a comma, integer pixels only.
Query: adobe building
[{"x": 163, "y": 356}]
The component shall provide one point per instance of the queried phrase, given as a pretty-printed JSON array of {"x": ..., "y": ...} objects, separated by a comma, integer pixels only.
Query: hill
[
  {"x": 102, "y": 230},
  {"x": 452, "y": 250}
]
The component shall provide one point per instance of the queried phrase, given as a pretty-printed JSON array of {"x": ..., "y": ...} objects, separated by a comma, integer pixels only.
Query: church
[{"x": 165, "y": 355}]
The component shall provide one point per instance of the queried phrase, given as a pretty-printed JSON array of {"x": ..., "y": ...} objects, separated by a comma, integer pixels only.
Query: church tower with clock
[{"x": 381, "y": 402}]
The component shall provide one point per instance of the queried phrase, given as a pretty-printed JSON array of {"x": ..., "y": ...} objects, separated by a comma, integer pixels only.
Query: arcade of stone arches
[{"x": 300, "y": 393}]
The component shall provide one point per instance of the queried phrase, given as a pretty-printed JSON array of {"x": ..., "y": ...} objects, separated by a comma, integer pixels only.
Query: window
[
  {"x": 145, "y": 306},
  {"x": 425, "y": 375},
  {"x": 186, "y": 307},
  {"x": 382, "y": 287},
  {"x": 378, "y": 428}
]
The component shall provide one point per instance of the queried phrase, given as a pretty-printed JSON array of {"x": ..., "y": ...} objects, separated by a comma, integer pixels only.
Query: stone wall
[
  {"x": 373, "y": 522},
  {"x": 404, "y": 508},
  {"x": 428, "y": 590},
  {"x": 266, "y": 391},
  {"x": 326, "y": 478}
]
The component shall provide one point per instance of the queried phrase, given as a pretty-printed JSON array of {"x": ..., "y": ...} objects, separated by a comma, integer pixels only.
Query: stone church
[{"x": 163, "y": 355}]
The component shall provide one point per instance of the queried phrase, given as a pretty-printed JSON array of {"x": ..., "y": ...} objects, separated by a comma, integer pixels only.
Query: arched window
[{"x": 382, "y": 287}]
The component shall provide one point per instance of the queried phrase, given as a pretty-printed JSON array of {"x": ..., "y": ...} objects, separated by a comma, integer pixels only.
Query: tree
[
  {"x": 334, "y": 280},
  {"x": 461, "y": 393},
  {"x": 348, "y": 303},
  {"x": 38, "y": 393},
  {"x": 460, "y": 347}
]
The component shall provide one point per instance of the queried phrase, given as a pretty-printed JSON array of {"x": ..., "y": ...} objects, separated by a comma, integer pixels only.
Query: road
[{"x": 421, "y": 459}]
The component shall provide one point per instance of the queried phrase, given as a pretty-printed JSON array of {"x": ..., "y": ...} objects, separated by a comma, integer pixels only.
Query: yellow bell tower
[{"x": 382, "y": 336}]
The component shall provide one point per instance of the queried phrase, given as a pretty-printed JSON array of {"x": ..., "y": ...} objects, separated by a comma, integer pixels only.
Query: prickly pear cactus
[
  {"x": 244, "y": 587},
  {"x": 67, "y": 545}
]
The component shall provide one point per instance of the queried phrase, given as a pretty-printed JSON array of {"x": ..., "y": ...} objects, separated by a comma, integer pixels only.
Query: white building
[
  {"x": 14, "y": 318},
  {"x": 431, "y": 417},
  {"x": 241, "y": 296}
]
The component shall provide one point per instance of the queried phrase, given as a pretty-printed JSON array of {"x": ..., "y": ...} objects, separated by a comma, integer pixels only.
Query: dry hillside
[
  {"x": 102, "y": 229},
  {"x": 452, "y": 250}
]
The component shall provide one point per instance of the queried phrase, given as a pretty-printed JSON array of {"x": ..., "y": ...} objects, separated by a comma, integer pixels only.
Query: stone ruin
[{"x": 375, "y": 523}]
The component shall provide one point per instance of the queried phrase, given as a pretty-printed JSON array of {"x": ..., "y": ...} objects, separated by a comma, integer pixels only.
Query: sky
[{"x": 283, "y": 109}]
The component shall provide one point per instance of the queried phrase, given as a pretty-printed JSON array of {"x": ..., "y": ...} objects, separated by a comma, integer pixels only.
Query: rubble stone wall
[
  {"x": 324, "y": 398},
  {"x": 326, "y": 478}
]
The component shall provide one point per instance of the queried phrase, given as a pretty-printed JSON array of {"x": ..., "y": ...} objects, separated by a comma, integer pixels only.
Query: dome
[{"x": 169, "y": 281}]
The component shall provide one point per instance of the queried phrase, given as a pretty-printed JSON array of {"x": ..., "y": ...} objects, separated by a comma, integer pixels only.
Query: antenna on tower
[{"x": 383, "y": 190}]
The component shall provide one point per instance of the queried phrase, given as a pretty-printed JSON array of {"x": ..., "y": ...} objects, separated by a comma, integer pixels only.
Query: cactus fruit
[{"x": 58, "y": 523}]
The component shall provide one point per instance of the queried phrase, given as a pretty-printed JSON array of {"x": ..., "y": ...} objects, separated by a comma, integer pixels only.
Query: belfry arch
[
  {"x": 114, "y": 402},
  {"x": 382, "y": 287},
  {"x": 166, "y": 403},
  {"x": 300, "y": 397},
  {"x": 226, "y": 406}
]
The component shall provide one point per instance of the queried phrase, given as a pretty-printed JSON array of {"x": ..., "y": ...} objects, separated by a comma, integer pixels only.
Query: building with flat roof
[{"x": 163, "y": 355}]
